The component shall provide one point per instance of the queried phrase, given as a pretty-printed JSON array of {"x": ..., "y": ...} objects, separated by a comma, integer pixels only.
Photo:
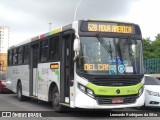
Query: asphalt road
[{"x": 9, "y": 102}]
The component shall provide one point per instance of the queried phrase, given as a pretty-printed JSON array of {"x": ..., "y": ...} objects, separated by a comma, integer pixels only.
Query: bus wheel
[
  {"x": 19, "y": 92},
  {"x": 56, "y": 100}
]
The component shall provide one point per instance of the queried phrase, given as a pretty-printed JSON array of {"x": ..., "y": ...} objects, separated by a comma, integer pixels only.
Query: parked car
[
  {"x": 3, "y": 88},
  {"x": 152, "y": 91}
]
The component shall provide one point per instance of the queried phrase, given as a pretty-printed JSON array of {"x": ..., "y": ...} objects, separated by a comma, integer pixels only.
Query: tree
[
  {"x": 147, "y": 48},
  {"x": 151, "y": 49}
]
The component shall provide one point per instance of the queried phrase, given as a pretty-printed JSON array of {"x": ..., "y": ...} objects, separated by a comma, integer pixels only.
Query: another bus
[{"x": 87, "y": 64}]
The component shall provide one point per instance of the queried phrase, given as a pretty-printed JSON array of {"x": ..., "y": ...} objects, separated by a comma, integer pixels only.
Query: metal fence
[{"x": 152, "y": 66}]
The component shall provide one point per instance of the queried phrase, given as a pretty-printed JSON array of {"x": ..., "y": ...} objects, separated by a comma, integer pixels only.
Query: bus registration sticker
[
  {"x": 129, "y": 69},
  {"x": 117, "y": 100},
  {"x": 112, "y": 69}
]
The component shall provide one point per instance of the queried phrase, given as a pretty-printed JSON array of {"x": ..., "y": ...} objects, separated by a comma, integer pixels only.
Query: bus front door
[{"x": 67, "y": 66}]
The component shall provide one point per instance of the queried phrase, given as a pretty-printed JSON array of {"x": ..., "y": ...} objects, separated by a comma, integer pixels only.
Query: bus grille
[
  {"x": 108, "y": 100},
  {"x": 117, "y": 81}
]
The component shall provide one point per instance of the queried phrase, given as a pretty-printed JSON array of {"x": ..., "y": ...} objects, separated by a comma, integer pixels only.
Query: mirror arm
[{"x": 76, "y": 56}]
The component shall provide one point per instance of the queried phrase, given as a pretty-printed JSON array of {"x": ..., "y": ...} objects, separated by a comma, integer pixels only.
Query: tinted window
[
  {"x": 44, "y": 51},
  {"x": 35, "y": 55},
  {"x": 26, "y": 54},
  {"x": 20, "y": 55},
  {"x": 54, "y": 48},
  {"x": 15, "y": 61},
  {"x": 10, "y": 57},
  {"x": 151, "y": 81}
]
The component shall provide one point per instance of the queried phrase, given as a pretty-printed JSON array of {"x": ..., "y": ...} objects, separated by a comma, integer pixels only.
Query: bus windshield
[{"x": 110, "y": 56}]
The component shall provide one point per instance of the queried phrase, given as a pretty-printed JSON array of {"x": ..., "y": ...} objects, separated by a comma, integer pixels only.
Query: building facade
[
  {"x": 4, "y": 39},
  {"x": 4, "y": 43},
  {"x": 3, "y": 62}
]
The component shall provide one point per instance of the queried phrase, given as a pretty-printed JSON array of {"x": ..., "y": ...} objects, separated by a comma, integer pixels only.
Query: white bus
[{"x": 87, "y": 64}]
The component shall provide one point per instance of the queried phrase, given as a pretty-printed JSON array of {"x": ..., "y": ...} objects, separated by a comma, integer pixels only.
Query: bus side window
[
  {"x": 54, "y": 48},
  {"x": 15, "y": 61},
  {"x": 44, "y": 50},
  {"x": 26, "y": 54},
  {"x": 20, "y": 55},
  {"x": 10, "y": 57}
]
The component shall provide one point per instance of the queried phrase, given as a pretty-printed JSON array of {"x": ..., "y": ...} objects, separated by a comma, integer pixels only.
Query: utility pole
[
  {"x": 75, "y": 12},
  {"x": 50, "y": 25}
]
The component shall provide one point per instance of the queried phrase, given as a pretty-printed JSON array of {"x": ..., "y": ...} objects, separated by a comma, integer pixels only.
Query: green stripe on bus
[
  {"x": 39, "y": 77},
  {"x": 57, "y": 74},
  {"x": 111, "y": 90}
]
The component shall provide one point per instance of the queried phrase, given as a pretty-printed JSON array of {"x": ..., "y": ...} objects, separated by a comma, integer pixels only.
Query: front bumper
[{"x": 84, "y": 101}]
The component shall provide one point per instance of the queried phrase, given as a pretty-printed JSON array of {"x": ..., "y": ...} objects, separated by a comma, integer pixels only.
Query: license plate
[{"x": 117, "y": 100}]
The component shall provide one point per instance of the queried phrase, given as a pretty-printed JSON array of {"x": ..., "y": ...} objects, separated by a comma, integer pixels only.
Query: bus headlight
[
  {"x": 82, "y": 88},
  {"x": 141, "y": 91},
  {"x": 90, "y": 93},
  {"x": 85, "y": 90}
]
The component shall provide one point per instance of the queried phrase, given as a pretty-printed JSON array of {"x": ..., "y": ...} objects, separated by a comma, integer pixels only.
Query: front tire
[
  {"x": 56, "y": 100},
  {"x": 19, "y": 92}
]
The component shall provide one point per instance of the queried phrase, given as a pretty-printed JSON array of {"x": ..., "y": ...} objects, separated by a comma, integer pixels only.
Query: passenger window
[
  {"x": 26, "y": 54},
  {"x": 54, "y": 48},
  {"x": 15, "y": 60},
  {"x": 44, "y": 50},
  {"x": 10, "y": 57},
  {"x": 20, "y": 55}
]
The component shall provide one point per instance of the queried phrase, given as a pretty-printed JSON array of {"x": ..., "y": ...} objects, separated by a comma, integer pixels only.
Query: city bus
[{"x": 89, "y": 64}]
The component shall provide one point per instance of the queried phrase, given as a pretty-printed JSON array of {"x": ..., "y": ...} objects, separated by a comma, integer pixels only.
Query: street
[{"x": 9, "y": 102}]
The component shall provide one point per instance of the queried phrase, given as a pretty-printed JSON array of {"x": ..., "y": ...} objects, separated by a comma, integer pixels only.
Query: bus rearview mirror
[{"x": 76, "y": 47}]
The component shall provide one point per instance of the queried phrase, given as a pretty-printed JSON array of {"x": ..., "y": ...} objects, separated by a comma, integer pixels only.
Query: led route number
[{"x": 110, "y": 28}]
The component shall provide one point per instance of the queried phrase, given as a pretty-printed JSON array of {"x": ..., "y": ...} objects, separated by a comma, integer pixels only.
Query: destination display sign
[{"x": 108, "y": 27}]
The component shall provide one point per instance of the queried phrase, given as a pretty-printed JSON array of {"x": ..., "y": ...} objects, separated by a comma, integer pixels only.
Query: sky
[{"x": 29, "y": 18}]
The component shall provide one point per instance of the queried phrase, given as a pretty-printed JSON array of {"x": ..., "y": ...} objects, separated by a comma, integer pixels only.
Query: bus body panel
[
  {"x": 45, "y": 77},
  {"x": 20, "y": 73}
]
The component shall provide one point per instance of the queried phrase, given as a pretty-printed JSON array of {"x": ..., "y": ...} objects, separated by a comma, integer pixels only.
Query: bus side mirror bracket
[{"x": 76, "y": 47}]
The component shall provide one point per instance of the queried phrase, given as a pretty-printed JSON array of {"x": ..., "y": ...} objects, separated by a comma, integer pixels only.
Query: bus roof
[
  {"x": 126, "y": 22},
  {"x": 37, "y": 37},
  {"x": 60, "y": 29}
]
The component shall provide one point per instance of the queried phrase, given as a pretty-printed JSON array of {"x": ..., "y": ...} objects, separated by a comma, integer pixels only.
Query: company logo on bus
[{"x": 118, "y": 91}]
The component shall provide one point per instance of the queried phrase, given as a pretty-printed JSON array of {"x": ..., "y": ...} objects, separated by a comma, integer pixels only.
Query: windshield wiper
[{"x": 104, "y": 44}]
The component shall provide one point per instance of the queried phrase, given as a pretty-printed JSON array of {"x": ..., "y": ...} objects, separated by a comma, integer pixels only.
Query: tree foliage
[{"x": 151, "y": 49}]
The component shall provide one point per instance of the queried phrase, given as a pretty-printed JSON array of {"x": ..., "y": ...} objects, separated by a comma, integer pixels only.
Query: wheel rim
[{"x": 56, "y": 99}]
